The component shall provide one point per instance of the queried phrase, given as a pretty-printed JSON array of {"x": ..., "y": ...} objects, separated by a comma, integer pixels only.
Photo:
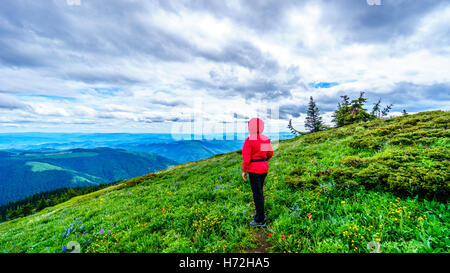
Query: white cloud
[{"x": 131, "y": 71}]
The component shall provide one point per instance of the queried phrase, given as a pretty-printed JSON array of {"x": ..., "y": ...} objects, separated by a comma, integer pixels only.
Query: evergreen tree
[
  {"x": 41, "y": 204},
  {"x": 26, "y": 210},
  {"x": 313, "y": 119},
  {"x": 342, "y": 111},
  {"x": 293, "y": 130},
  {"x": 404, "y": 112},
  {"x": 11, "y": 213},
  {"x": 376, "y": 111},
  {"x": 349, "y": 112},
  {"x": 386, "y": 110}
]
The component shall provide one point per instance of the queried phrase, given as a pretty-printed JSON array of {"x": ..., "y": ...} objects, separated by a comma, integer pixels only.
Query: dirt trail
[{"x": 262, "y": 245}]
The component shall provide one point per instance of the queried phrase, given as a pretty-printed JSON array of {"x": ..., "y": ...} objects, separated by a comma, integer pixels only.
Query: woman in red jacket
[{"x": 256, "y": 152}]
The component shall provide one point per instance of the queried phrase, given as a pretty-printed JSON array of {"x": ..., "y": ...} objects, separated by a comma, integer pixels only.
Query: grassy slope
[
  {"x": 29, "y": 173},
  {"x": 316, "y": 199}
]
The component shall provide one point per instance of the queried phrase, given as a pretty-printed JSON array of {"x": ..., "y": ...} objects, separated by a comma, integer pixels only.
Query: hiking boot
[
  {"x": 255, "y": 224},
  {"x": 253, "y": 216}
]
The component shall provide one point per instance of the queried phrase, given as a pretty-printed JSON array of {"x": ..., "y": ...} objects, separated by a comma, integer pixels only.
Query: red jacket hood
[{"x": 255, "y": 126}]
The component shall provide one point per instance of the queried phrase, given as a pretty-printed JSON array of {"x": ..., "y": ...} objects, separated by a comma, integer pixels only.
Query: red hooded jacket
[{"x": 256, "y": 146}]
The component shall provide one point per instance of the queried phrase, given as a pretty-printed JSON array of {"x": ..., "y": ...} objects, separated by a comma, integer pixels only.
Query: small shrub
[{"x": 352, "y": 161}]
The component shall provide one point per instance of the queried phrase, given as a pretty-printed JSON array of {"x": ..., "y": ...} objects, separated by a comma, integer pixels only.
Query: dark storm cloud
[
  {"x": 355, "y": 19},
  {"x": 95, "y": 77},
  {"x": 101, "y": 31},
  {"x": 100, "y": 27},
  {"x": 261, "y": 88},
  {"x": 292, "y": 110},
  {"x": 407, "y": 94},
  {"x": 88, "y": 43},
  {"x": 359, "y": 22},
  {"x": 404, "y": 95},
  {"x": 245, "y": 54},
  {"x": 11, "y": 103},
  {"x": 11, "y": 55},
  {"x": 116, "y": 28}
]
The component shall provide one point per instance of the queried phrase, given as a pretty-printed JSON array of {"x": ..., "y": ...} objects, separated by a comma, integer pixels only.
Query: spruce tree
[
  {"x": 313, "y": 119},
  {"x": 342, "y": 111},
  {"x": 386, "y": 110},
  {"x": 357, "y": 112},
  {"x": 376, "y": 111}
]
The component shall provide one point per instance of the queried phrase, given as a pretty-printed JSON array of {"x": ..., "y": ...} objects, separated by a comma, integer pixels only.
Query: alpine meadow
[{"x": 381, "y": 185}]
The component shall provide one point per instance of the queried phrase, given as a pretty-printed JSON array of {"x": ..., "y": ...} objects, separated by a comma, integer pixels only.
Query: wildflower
[
  {"x": 102, "y": 231},
  {"x": 64, "y": 248},
  {"x": 283, "y": 237},
  {"x": 243, "y": 212},
  {"x": 342, "y": 202},
  {"x": 270, "y": 235},
  {"x": 309, "y": 215}
]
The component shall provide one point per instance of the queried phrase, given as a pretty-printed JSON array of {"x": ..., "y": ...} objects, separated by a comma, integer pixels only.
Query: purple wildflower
[
  {"x": 64, "y": 248},
  {"x": 102, "y": 231}
]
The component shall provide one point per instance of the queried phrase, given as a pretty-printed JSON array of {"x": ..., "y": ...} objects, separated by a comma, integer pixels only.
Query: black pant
[{"x": 257, "y": 184}]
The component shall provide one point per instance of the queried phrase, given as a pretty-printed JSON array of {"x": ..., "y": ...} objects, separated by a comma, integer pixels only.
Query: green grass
[
  {"x": 332, "y": 191},
  {"x": 42, "y": 167}
]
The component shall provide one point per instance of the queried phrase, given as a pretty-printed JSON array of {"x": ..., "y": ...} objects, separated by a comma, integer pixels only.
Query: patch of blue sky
[
  {"x": 110, "y": 91},
  {"x": 59, "y": 98},
  {"x": 322, "y": 84}
]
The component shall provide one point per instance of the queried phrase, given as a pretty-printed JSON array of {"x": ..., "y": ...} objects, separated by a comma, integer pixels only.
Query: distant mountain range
[
  {"x": 186, "y": 150},
  {"x": 26, "y": 173},
  {"x": 37, "y": 162},
  {"x": 39, "y": 142}
]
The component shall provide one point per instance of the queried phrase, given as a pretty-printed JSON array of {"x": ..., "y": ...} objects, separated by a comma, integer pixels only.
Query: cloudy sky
[{"x": 152, "y": 66}]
